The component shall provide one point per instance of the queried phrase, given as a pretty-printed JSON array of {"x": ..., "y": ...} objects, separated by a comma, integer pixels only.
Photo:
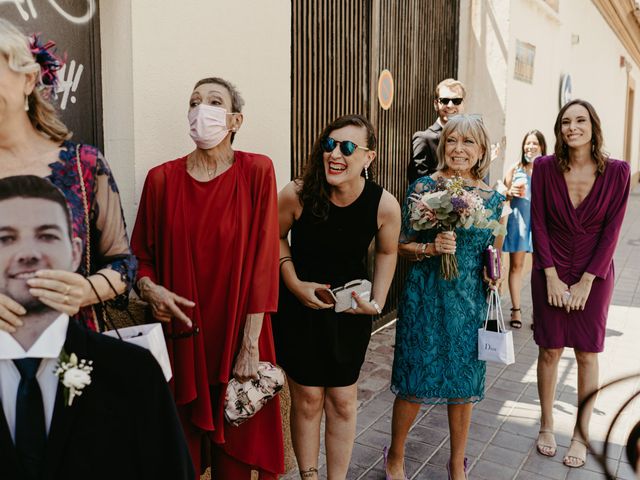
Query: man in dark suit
[
  {"x": 449, "y": 101},
  {"x": 109, "y": 416}
]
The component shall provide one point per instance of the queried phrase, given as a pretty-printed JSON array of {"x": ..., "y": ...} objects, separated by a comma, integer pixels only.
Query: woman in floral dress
[{"x": 33, "y": 141}]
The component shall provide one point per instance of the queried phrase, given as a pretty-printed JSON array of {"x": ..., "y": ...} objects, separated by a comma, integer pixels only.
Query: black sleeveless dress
[{"x": 321, "y": 347}]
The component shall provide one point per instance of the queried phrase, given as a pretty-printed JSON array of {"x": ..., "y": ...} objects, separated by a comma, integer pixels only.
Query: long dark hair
[
  {"x": 541, "y": 141},
  {"x": 562, "y": 150},
  {"x": 315, "y": 190}
]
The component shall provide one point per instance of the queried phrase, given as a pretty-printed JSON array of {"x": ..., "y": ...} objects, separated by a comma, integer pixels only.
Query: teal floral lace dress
[{"x": 436, "y": 351}]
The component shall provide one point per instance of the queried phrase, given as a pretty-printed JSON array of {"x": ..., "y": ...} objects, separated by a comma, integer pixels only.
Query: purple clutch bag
[{"x": 492, "y": 262}]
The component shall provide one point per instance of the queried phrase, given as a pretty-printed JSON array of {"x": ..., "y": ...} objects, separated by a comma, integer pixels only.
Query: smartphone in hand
[{"x": 326, "y": 296}]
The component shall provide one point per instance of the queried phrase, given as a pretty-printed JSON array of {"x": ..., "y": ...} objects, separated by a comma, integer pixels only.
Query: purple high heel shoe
[
  {"x": 385, "y": 452},
  {"x": 466, "y": 468}
]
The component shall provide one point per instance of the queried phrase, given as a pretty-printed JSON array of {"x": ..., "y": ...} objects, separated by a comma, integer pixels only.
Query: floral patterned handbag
[{"x": 243, "y": 400}]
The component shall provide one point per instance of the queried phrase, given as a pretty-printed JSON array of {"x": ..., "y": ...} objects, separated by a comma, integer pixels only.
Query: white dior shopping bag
[
  {"x": 147, "y": 336},
  {"x": 495, "y": 346}
]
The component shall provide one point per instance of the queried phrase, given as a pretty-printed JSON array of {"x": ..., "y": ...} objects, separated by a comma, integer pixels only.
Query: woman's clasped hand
[
  {"x": 63, "y": 291},
  {"x": 445, "y": 242},
  {"x": 305, "y": 292},
  {"x": 10, "y": 312},
  {"x": 573, "y": 297}
]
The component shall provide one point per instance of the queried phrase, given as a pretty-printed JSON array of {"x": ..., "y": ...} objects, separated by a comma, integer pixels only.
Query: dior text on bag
[
  {"x": 243, "y": 400},
  {"x": 495, "y": 346}
]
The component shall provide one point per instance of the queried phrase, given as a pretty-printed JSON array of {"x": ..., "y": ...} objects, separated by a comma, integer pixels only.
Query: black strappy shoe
[{"x": 515, "y": 322}]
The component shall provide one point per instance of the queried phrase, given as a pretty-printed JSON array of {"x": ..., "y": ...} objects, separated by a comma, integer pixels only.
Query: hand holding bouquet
[{"x": 447, "y": 205}]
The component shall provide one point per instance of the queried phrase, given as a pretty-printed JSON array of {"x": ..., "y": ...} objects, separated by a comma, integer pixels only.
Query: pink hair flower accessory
[{"x": 44, "y": 55}]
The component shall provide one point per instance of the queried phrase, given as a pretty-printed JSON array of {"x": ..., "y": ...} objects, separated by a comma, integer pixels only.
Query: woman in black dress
[{"x": 333, "y": 213}]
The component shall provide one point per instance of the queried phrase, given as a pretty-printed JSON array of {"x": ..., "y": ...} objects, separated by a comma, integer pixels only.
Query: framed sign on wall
[{"x": 525, "y": 61}]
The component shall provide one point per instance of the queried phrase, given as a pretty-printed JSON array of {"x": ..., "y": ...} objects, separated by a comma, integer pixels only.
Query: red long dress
[
  {"x": 217, "y": 244},
  {"x": 574, "y": 241}
]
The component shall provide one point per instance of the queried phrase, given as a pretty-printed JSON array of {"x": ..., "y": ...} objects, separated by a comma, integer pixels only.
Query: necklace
[
  {"x": 211, "y": 172},
  {"x": 472, "y": 182}
]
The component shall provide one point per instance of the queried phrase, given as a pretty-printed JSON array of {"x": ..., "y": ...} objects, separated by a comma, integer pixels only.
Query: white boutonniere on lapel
[{"x": 74, "y": 375}]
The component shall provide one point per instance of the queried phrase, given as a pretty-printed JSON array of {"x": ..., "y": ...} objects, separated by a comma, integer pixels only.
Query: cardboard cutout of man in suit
[{"x": 123, "y": 425}]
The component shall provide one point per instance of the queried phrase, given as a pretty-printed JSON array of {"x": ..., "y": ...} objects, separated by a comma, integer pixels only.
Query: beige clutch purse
[{"x": 344, "y": 299}]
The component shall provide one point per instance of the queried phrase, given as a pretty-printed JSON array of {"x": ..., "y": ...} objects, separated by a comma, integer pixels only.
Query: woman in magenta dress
[
  {"x": 207, "y": 239},
  {"x": 578, "y": 200}
]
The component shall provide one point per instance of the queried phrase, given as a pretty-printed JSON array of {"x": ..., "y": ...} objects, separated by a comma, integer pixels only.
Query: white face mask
[{"x": 208, "y": 125}]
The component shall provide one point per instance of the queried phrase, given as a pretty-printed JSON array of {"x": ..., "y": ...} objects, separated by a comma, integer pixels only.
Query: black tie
[{"x": 31, "y": 433}]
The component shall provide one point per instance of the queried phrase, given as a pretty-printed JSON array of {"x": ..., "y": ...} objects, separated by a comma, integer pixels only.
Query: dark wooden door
[
  {"x": 417, "y": 41},
  {"x": 339, "y": 48}
]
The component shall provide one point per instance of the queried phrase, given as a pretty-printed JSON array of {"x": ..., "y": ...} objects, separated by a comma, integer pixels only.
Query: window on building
[{"x": 525, "y": 57}]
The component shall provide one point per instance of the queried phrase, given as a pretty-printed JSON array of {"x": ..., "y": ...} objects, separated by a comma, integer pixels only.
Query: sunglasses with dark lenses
[
  {"x": 455, "y": 101},
  {"x": 347, "y": 147}
]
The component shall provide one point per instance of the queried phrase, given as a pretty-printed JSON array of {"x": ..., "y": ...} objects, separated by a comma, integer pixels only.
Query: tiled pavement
[{"x": 505, "y": 423}]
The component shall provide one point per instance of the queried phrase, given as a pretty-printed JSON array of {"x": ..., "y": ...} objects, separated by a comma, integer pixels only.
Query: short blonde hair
[
  {"x": 14, "y": 46},
  {"x": 451, "y": 83},
  {"x": 467, "y": 125}
]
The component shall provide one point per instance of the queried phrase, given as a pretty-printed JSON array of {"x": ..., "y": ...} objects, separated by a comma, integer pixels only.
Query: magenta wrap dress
[{"x": 575, "y": 240}]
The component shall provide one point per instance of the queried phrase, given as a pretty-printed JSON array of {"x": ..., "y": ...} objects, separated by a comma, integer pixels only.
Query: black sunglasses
[
  {"x": 455, "y": 101},
  {"x": 347, "y": 147}
]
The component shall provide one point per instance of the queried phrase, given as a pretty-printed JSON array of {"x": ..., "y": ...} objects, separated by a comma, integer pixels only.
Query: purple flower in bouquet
[
  {"x": 459, "y": 204},
  {"x": 448, "y": 205}
]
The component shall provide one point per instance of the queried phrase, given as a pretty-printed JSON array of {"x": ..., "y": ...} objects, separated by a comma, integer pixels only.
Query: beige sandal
[
  {"x": 572, "y": 460},
  {"x": 548, "y": 448}
]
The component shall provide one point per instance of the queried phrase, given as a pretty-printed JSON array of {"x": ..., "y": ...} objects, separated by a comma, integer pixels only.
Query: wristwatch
[{"x": 376, "y": 306}]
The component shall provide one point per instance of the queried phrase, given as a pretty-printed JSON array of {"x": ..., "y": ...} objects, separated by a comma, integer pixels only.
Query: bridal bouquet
[{"x": 447, "y": 205}]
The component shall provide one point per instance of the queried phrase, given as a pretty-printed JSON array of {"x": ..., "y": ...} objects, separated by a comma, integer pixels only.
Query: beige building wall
[
  {"x": 583, "y": 46},
  {"x": 483, "y": 64},
  {"x": 152, "y": 55},
  {"x": 575, "y": 40},
  {"x": 535, "y": 105}
]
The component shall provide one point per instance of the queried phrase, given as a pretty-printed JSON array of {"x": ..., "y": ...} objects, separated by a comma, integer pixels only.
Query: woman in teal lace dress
[{"x": 436, "y": 357}]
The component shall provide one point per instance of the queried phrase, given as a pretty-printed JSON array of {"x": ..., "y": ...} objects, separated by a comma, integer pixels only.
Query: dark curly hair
[
  {"x": 562, "y": 150},
  {"x": 315, "y": 190}
]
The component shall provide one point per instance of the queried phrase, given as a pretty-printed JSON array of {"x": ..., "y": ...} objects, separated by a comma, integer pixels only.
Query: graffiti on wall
[
  {"x": 74, "y": 26},
  {"x": 27, "y": 10}
]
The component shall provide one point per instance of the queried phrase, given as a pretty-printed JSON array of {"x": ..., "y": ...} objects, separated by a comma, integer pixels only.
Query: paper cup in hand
[{"x": 520, "y": 182}]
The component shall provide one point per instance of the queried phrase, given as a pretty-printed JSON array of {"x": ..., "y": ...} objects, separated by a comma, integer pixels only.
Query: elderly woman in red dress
[
  {"x": 578, "y": 200},
  {"x": 207, "y": 239}
]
